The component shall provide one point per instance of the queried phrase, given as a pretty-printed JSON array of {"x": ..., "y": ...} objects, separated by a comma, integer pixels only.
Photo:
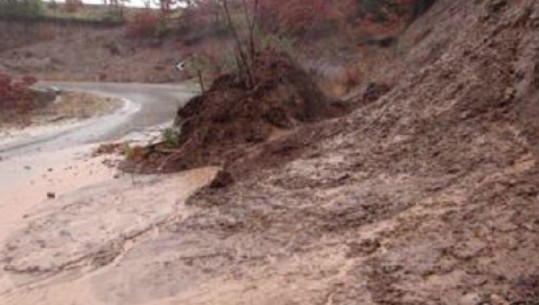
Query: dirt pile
[{"x": 223, "y": 123}]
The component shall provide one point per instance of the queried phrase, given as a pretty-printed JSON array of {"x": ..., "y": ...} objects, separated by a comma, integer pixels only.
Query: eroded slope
[{"x": 428, "y": 195}]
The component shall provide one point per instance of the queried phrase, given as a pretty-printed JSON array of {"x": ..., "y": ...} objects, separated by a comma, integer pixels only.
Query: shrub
[
  {"x": 21, "y": 8},
  {"x": 113, "y": 16},
  {"x": 72, "y": 6},
  {"x": 292, "y": 16},
  {"x": 171, "y": 137},
  {"x": 352, "y": 77},
  {"x": 29, "y": 80},
  {"x": 47, "y": 32},
  {"x": 16, "y": 95},
  {"x": 143, "y": 24},
  {"x": 162, "y": 28},
  {"x": 52, "y": 5}
]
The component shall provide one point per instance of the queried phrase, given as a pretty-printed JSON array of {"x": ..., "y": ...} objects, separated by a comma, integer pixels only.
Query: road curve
[{"x": 145, "y": 105}]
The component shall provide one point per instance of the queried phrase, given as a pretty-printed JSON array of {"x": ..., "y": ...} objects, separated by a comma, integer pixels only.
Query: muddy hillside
[{"x": 428, "y": 194}]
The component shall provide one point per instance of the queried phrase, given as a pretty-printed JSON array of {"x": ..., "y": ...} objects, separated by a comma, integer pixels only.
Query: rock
[
  {"x": 498, "y": 300},
  {"x": 510, "y": 93},
  {"x": 470, "y": 299},
  {"x": 51, "y": 195},
  {"x": 495, "y": 6},
  {"x": 492, "y": 8},
  {"x": 363, "y": 248},
  {"x": 222, "y": 180}
]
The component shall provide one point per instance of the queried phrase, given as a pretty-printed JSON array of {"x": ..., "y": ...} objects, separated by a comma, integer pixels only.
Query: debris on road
[{"x": 221, "y": 124}]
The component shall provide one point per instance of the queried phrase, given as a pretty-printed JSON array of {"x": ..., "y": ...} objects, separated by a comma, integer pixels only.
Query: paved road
[{"x": 144, "y": 105}]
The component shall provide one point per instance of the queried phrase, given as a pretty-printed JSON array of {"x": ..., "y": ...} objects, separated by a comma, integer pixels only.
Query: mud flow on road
[{"x": 58, "y": 193}]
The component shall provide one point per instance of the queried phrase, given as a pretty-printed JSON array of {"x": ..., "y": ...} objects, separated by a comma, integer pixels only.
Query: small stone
[
  {"x": 498, "y": 300},
  {"x": 470, "y": 299},
  {"x": 387, "y": 269},
  {"x": 222, "y": 180},
  {"x": 363, "y": 248},
  {"x": 27, "y": 167},
  {"x": 510, "y": 93},
  {"x": 51, "y": 195}
]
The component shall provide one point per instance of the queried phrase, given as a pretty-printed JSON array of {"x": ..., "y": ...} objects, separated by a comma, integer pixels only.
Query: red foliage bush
[
  {"x": 16, "y": 95},
  {"x": 47, "y": 32},
  {"x": 292, "y": 16},
  {"x": 29, "y": 80},
  {"x": 142, "y": 24},
  {"x": 352, "y": 77},
  {"x": 300, "y": 16},
  {"x": 72, "y": 6}
]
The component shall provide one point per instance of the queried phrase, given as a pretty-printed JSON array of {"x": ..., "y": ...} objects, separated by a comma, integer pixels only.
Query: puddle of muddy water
[{"x": 26, "y": 181}]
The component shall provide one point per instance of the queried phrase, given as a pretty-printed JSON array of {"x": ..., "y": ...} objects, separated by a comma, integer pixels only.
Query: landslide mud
[{"x": 428, "y": 195}]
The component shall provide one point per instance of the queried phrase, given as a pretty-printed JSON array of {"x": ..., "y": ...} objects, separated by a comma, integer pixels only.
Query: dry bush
[
  {"x": 352, "y": 77},
  {"x": 47, "y": 32},
  {"x": 143, "y": 24},
  {"x": 72, "y": 6},
  {"x": 15, "y": 95}
]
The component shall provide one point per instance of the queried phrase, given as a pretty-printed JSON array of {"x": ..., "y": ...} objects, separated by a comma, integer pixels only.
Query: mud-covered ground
[{"x": 428, "y": 195}]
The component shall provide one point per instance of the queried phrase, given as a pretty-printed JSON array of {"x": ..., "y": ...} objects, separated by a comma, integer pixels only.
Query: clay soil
[{"x": 426, "y": 195}]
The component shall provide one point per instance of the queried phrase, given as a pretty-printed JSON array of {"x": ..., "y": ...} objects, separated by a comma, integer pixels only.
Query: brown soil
[{"x": 427, "y": 195}]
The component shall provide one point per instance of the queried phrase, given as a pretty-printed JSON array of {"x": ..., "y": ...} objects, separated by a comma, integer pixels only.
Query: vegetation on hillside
[
  {"x": 70, "y": 10},
  {"x": 226, "y": 34},
  {"x": 21, "y": 8}
]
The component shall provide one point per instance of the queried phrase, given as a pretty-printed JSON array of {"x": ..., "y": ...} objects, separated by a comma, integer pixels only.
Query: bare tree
[{"x": 244, "y": 56}]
